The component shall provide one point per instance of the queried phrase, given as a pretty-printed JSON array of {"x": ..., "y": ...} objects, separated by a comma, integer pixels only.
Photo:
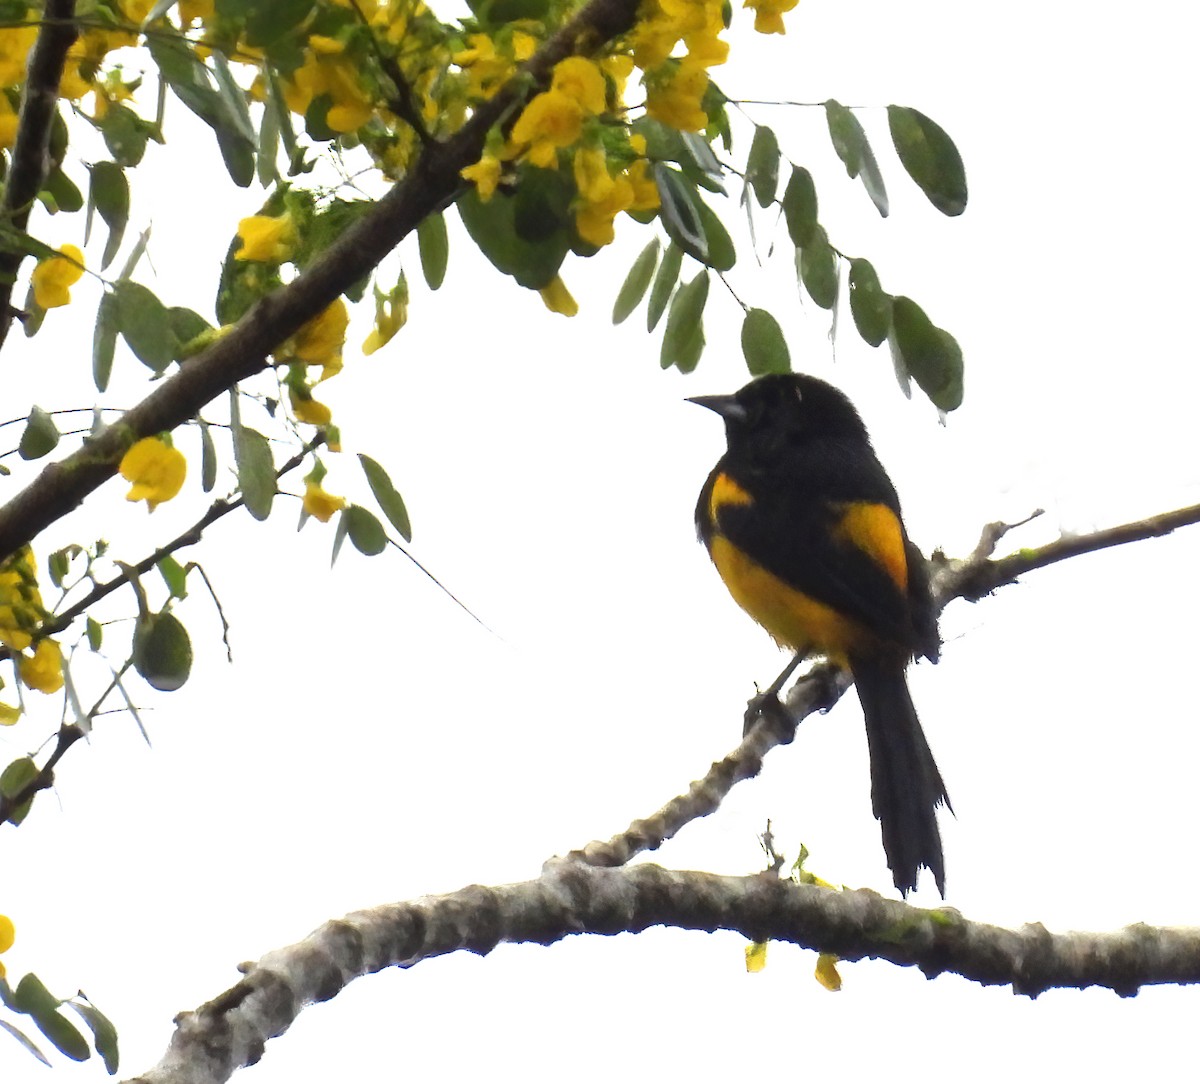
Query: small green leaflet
[
  {"x": 664, "y": 283},
  {"x": 40, "y": 436},
  {"x": 142, "y": 319},
  {"x": 109, "y": 195},
  {"x": 255, "y": 470},
  {"x": 365, "y": 531},
  {"x": 683, "y": 340},
  {"x": 870, "y": 306},
  {"x": 636, "y": 283},
  {"x": 385, "y": 493},
  {"x": 931, "y": 158},
  {"x": 103, "y": 1033},
  {"x": 678, "y": 211},
  {"x": 818, "y": 269},
  {"x": 762, "y": 165},
  {"x": 32, "y": 998},
  {"x": 434, "y": 247},
  {"x": 800, "y": 206},
  {"x": 208, "y": 458},
  {"x": 763, "y": 344},
  {"x": 930, "y": 355},
  {"x": 850, "y": 142}
]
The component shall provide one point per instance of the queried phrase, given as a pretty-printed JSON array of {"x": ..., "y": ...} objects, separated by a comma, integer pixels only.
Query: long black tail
[{"x": 906, "y": 786}]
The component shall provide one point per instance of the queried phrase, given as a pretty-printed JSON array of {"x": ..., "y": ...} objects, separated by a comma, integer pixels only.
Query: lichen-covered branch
[
  {"x": 571, "y": 897},
  {"x": 971, "y": 578}
]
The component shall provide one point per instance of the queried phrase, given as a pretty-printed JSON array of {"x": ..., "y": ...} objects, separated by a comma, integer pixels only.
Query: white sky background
[{"x": 371, "y": 743}]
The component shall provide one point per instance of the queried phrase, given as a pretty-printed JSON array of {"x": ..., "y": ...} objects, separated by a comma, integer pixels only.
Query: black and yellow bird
[{"x": 803, "y": 525}]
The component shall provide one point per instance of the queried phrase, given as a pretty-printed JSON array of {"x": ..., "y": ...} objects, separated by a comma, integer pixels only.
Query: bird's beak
[{"x": 725, "y": 405}]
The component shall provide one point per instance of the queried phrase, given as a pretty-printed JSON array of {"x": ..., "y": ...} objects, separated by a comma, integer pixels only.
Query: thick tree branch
[
  {"x": 232, "y": 1030},
  {"x": 39, "y": 102},
  {"x": 433, "y": 182}
]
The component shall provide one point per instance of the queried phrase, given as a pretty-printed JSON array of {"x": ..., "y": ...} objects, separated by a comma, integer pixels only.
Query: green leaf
[
  {"x": 109, "y": 194},
  {"x": 174, "y": 576},
  {"x": 64, "y": 191},
  {"x": 32, "y": 997},
  {"x": 636, "y": 283},
  {"x": 103, "y": 1033},
  {"x": 932, "y": 356},
  {"x": 800, "y": 206},
  {"x": 143, "y": 320},
  {"x": 763, "y": 344},
  {"x": 762, "y": 165},
  {"x": 187, "y": 325},
  {"x": 721, "y": 253},
  {"x": 58, "y": 564},
  {"x": 95, "y": 633},
  {"x": 104, "y": 341},
  {"x": 850, "y": 142},
  {"x": 267, "y": 23},
  {"x": 125, "y": 135},
  {"x": 255, "y": 470},
  {"x": 162, "y": 651},
  {"x": 385, "y": 493},
  {"x": 931, "y": 158},
  {"x": 365, "y": 531},
  {"x": 492, "y": 225},
  {"x": 434, "y": 247},
  {"x": 268, "y": 147},
  {"x": 683, "y": 339},
  {"x": 678, "y": 211},
  {"x": 17, "y": 776},
  {"x": 339, "y": 536},
  {"x": 25, "y": 1041},
  {"x": 40, "y": 436},
  {"x": 870, "y": 306},
  {"x": 208, "y": 458},
  {"x": 818, "y": 269},
  {"x": 233, "y": 98},
  {"x": 664, "y": 283},
  {"x": 237, "y": 152}
]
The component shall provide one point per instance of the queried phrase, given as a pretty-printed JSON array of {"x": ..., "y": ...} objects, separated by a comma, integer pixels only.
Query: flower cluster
[{"x": 22, "y": 614}]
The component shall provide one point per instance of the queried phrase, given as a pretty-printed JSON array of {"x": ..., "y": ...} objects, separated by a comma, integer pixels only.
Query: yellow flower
[
  {"x": 551, "y": 120},
  {"x": 391, "y": 314},
  {"x": 8, "y": 123},
  {"x": 676, "y": 100},
  {"x": 156, "y": 470},
  {"x": 54, "y": 276},
  {"x": 319, "y": 504},
  {"x": 558, "y": 298},
  {"x": 485, "y": 174},
  {"x": 15, "y": 43},
  {"x": 320, "y": 341},
  {"x": 8, "y": 716},
  {"x": 327, "y": 70},
  {"x": 8, "y": 935},
  {"x": 705, "y": 49},
  {"x": 603, "y": 196},
  {"x": 768, "y": 14},
  {"x": 580, "y": 80},
  {"x": 645, "y": 191},
  {"x": 266, "y": 238},
  {"x": 594, "y": 221},
  {"x": 43, "y": 670},
  {"x": 309, "y": 410}
]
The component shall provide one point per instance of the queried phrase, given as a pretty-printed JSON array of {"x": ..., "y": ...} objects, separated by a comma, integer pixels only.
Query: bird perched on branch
[{"x": 803, "y": 525}]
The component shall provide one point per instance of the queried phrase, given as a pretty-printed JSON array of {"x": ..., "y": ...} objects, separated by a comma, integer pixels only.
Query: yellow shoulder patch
[
  {"x": 875, "y": 529},
  {"x": 725, "y": 491}
]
